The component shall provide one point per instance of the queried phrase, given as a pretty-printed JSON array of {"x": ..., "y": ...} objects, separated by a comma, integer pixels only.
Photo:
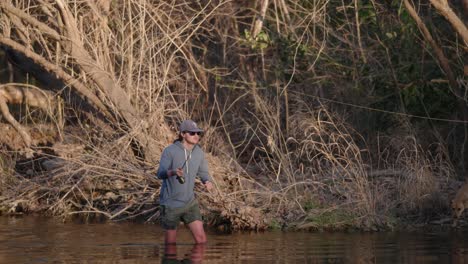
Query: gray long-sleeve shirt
[{"x": 174, "y": 194}]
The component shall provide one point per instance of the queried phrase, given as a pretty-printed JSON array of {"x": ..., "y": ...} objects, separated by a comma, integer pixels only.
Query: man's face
[{"x": 191, "y": 137}]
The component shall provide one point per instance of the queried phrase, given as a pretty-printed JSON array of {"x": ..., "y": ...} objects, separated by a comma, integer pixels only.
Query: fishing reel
[{"x": 180, "y": 179}]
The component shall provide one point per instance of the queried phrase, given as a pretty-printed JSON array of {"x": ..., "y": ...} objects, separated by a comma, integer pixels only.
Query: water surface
[{"x": 42, "y": 240}]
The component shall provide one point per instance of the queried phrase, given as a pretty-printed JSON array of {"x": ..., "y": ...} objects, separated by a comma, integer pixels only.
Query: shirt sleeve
[
  {"x": 203, "y": 170},
  {"x": 164, "y": 164}
]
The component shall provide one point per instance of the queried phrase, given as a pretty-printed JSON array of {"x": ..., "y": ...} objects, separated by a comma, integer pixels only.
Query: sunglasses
[{"x": 193, "y": 133}]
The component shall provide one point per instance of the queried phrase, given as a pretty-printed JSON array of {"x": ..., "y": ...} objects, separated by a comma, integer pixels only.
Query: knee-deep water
[{"x": 42, "y": 240}]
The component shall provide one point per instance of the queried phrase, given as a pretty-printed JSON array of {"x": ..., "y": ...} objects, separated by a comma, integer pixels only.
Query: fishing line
[{"x": 381, "y": 110}]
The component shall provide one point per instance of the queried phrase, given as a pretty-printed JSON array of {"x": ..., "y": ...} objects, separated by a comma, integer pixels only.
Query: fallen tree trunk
[
  {"x": 27, "y": 95},
  {"x": 81, "y": 70}
]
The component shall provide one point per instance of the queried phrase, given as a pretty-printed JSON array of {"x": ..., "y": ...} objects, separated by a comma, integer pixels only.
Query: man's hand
[
  {"x": 178, "y": 172},
  {"x": 208, "y": 185}
]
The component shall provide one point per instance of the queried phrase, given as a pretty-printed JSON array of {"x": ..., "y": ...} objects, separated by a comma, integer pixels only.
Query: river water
[{"x": 41, "y": 240}]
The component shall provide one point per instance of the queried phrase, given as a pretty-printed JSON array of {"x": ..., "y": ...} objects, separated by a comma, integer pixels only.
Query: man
[{"x": 180, "y": 163}]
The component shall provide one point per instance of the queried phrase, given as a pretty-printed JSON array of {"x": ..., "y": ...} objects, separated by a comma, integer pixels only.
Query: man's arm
[
  {"x": 164, "y": 165},
  {"x": 204, "y": 174}
]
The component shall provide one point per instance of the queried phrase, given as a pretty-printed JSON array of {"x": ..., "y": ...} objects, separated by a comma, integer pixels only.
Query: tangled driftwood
[{"x": 30, "y": 96}]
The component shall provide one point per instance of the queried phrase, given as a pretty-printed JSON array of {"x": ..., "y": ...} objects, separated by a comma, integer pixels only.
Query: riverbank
[
  {"x": 96, "y": 188},
  {"x": 323, "y": 180}
]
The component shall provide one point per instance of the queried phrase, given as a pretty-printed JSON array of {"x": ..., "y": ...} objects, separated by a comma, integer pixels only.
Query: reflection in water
[
  {"x": 194, "y": 256},
  {"x": 38, "y": 240}
]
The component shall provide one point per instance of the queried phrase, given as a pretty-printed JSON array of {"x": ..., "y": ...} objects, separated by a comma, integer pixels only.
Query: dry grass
[{"x": 419, "y": 178}]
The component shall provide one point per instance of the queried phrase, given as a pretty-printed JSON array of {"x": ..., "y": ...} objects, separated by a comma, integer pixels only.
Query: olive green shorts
[{"x": 171, "y": 217}]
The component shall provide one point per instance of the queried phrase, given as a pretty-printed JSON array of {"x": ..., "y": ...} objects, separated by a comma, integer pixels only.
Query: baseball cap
[{"x": 190, "y": 126}]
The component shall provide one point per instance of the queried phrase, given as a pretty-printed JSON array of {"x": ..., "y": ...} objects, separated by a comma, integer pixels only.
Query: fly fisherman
[{"x": 180, "y": 163}]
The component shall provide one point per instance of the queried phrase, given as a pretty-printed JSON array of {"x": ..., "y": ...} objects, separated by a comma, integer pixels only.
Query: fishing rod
[{"x": 181, "y": 179}]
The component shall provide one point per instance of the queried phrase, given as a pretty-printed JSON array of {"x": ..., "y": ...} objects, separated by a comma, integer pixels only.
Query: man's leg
[
  {"x": 170, "y": 251},
  {"x": 193, "y": 219},
  {"x": 170, "y": 236},
  {"x": 197, "y": 253},
  {"x": 198, "y": 232},
  {"x": 169, "y": 220}
]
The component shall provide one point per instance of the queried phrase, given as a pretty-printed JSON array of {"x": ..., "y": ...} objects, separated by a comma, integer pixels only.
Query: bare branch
[
  {"x": 443, "y": 7},
  {"x": 438, "y": 51},
  {"x": 25, "y": 17},
  {"x": 259, "y": 20},
  {"x": 59, "y": 72}
]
